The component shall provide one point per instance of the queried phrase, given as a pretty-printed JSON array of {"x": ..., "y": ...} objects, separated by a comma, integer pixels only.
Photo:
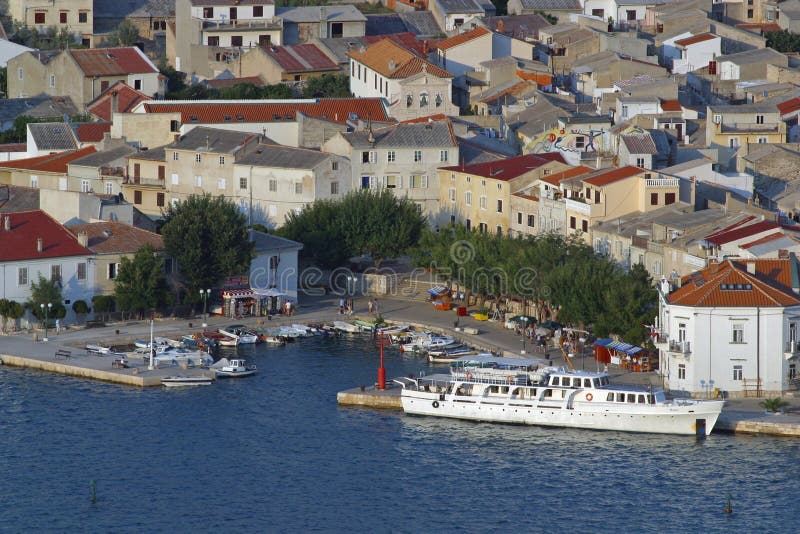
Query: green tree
[
  {"x": 126, "y": 34},
  {"x": 104, "y": 305},
  {"x": 10, "y": 310},
  {"x": 783, "y": 41},
  {"x": 3, "y": 82},
  {"x": 316, "y": 226},
  {"x": 44, "y": 292},
  {"x": 140, "y": 284},
  {"x": 208, "y": 237},
  {"x": 327, "y": 86}
]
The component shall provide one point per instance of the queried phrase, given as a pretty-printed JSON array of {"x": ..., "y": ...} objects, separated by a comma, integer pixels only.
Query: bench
[
  {"x": 120, "y": 364},
  {"x": 62, "y": 354}
]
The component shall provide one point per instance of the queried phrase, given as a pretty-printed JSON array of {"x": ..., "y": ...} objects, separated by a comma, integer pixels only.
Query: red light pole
[{"x": 381, "y": 369}]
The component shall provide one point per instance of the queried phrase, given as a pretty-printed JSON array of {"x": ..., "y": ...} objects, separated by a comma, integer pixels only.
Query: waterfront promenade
[{"x": 739, "y": 415}]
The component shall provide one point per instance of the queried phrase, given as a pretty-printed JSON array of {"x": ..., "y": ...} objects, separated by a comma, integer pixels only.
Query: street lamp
[
  {"x": 524, "y": 330},
  {"x": 46, "y": 309},
  {"x": 205, "y": 293},
  {"x": 352, "y": 280}
]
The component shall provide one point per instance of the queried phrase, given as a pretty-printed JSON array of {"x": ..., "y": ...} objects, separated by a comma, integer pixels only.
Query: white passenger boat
[
  {"x": 520, "y": 391},
  {"x": 185, "y": 381},
  {"x": 235, "y": 369}
]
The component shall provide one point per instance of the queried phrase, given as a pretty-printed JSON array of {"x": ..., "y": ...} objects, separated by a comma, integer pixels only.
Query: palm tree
[{"x": 773, "y": 405}]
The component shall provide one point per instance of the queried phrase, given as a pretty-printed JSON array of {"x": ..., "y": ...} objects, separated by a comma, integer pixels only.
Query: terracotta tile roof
[
  {"x": 92, "y": 132},
  {"x": 300, "y": 58},
  {"x": 510, "y": 168},
  {"x": 406, "y": 40},
  {"x": 112, "y": 61},
  {"x": 789, "y": 106},
  {"x": 462, "y": 38},
  {"x": 27, "y": 227},
  {"x": 127, "y": 98},
  {"x": 695, "y": 39},
  {"x": 671, "y": 105},
  {"x": 429, "y": 118},
  {"x": 55, "y": 163},
  {"x": 116, "y": 237},
  {"x": 394, "y": 61},
  {"x": 729, "y": 284},
  {"x": 557, "y": 178},
  {"x": 722, "y": 237},
  {"x": 258, "y": 81},
  {"x": 760, "y": 26},
  {"x": 337, "y": 110},
  {"x": 516, "y": 89},
  {"x": 541, "y": 78},
  {"x": 761, "y": 241},
  {"x": 608, "y": 176}
]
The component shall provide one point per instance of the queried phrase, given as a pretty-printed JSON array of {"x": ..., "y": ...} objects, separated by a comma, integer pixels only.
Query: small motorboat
[
  {"x": 185, "y": 381},
  {"x": 234, "y": 369},
  {"x": 343, "y": 326},
  {"x": 98, "y": 349},
  {"x": 243, "y": 335}
]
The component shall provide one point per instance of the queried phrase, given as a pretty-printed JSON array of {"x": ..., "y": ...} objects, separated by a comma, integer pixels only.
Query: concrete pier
[{"x": 371, "y": 397}]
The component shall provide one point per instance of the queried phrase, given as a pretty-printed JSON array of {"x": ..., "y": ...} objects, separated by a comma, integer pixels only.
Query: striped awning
[
  {"x": 238, "y": 294},
  {"x": 437, "y": 290},
  {"x": 603, "y": 342}
]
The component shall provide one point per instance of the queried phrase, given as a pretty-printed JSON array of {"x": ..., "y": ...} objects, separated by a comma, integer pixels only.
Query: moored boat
[
  {"x": 343, "y": 326},
  {"x": 522, "y": 392},
  {"x": 185, "y": 381},
  {"x": 242, "y": 334},
  {"x": 234, "y": 368}
]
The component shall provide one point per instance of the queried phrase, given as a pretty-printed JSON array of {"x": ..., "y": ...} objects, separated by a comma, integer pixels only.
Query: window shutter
[
  {"x": 373, "y": 182},
  {"x": 424, "y": 182},
  {"x": 399, "y": 182}
]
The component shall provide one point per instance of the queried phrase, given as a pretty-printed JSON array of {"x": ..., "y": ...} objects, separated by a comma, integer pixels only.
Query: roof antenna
[{"x": 207, "y": 144}]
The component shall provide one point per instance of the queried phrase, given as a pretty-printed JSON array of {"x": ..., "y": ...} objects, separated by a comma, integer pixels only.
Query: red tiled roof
[
  {"x": 330, "y": 109},
  {"x": 115, "y": 237},
  {"x": 462, "y": 38},
  {"x": 671, "y": 105},
  {"x": 760, "y": 26},
  {"x": 765, "y": 239},
  {"x": 395, "y": 61},
  {"x": 695, "y": 39},
  {"x": 258, "y": 81},
  {"x": 726, "y": 285},
  {"x": 112, "y": 61},
  {"x": 92, "y": 132},
  {"x": 429, "y": 118},
  {"x": 722, "y": 237},
  {"x": 407, "y": 40},
  {"x": 790, "y": 106},
  {"x": 26, "y": 228},
  {"x": 609, "y": 176},
  {"x": 510, "y": 168},
  {"x": 541, "y": 78},
  {"x": 127, "y": 98},
  {"x": 557, "y": 178},
  {"x": 300, "y": 58},
  {"x": 527, "y": 197},
  {"x": 56, "y": 163}
]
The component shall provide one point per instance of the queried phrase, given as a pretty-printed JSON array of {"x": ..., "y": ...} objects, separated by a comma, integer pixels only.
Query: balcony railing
[
  {"x": 580, "y": 207},
  {"x": 139, "y": 180},
  {"x": 239, "y": 25},
  {"x": 743, "y": 127},
  {"x": 681, "y": 347},
  {"x": 662, "y": 182},
  {"x": 792, "y": 346}
]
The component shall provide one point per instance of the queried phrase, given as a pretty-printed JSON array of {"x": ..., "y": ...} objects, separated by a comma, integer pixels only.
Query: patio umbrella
[
  {"x": 550, "y": 324},
  {"x": 542, "y": 331}
]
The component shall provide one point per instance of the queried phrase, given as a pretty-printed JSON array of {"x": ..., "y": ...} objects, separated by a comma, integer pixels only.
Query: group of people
[{"x": 346, "y": 306}]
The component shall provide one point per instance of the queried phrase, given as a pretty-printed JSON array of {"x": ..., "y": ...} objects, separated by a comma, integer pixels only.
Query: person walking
[
  {"x": 58, "y": 327},
  {"x": 369, "y": 306},
  {"x": 341, "y": 306}
]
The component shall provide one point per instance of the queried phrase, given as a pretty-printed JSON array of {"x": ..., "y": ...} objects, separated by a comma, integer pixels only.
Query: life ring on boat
[
  {"x": 589, "y": 397},
  {"x": 435, "y": 404},
  {"x": 551, "y": 137},
  {"x": 469, "y": 376}
]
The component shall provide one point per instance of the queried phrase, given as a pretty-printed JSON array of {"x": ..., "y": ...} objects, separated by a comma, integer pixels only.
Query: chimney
[
  {"x": 751, "y": 267},
  {"x": 500, "y": 26},
  {"x": 114, "y": 103},
  {"x": 323, "y": 23},
  {"x": 39, "y": 244},
  {"x": 7, "y": 223},
  {"x": 83, "y": 239}
]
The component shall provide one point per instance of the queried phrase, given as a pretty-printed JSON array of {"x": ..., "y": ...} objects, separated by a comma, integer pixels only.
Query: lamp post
[
  {"x": 352, "y": 280},
  {"x": 205, "y": 293},
  {"x": 524, "y": 331},
  {"x": 46, "y": 309}
]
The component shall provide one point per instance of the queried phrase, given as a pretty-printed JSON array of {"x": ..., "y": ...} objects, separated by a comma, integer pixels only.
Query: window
[
  {"x": 393, "y": 182},
  {"x": 19, "y": 73},
  {"x": 443, "y": 156},
  {"x": 137, "y": 197},
  {"x": 580, "y": 141},
  {"x": 258, "y": 11},
  {"x": 624, "y": 112},
  {"x": 596, "y": 197},
  {"x": 669, "y": 198},
  {"x": 438, "y": 100},
  {"x": 483, "y": 202},
  {"x": 573, "y": 223},
  {"x": 519, "y": 217},
  {"x": 160, "y": 200},
  {"x": 584, "y": 226},
  {"x": 368, "y": 157},
  {"x": 469, "y": 179},
  {"x": 83, "y": 16},
  {"x": 198, "y": 181},
  {"x": 242, "y": 183},
  {"x": 737, "y": 372},
  {"x": 499, "y": 230},
  {"x": 733, "y": 142},
  {"x": 762, "y": 140},
  {"x": 236, "y": 40},
  {"x": 34, "y": 181},
  {"x": 109, "y": 188},
  {"x": 531, "y": 220},
  {"x": 233, "y": 14},
  {"x": 417, "y": 156},
  {"x": 418, "y": 181},
  {"x": 600, "y": 13},
  {"x": 137, "y": 84},
  {"x": 22, "y": 276},
  {"x": 390, "y": 156},
  {"x": 198, "y": 158},
  {"x": 409, "y": 100},
  {"x": 39, "y": 17},
  {"x": 640, "y": 162},
  {"x": 468, "y": 224},
  {"x": 737, "y": 333},
  {"x": 749, "y": 13},
  {"x": 82, "y": 270},
  {"x": 213, "y": 40},
  {"x": 334, "y": 165},
  {"x": 55, "y": 273},
  {"x": 175, "y": 180},
  {"x": 759, "y": 119},
  {"x": 468, "y": 198},
  {"x": 792, "y": 371},
  {"x": 174, "y": 156},
  {"x": 499, "y": 206},
  {"x": 113, "y": 269},
  {"x": 52, "y": 80},
  {"x": 85, "y": 186},
  {"x": 208, "y": 12},
  {"x": 483, "y": 227},
  {"x": 654, "y": 199},
  {"x": 221, "y": 184},
  {"x": 423, "y": 100},
  {"x": 298, "y": 188},
  {"x": 273, "y": 186},
  {"x": 334, "y": 188}
]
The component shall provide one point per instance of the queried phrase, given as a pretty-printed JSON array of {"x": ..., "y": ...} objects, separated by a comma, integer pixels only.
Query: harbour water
[{"x": 274, "y": 452}]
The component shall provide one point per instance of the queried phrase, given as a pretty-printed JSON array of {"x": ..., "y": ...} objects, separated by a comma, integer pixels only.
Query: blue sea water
[{"x": 274, "y": 453}]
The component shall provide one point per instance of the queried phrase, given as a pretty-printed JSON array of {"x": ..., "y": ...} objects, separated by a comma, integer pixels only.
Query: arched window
[
  {"x": 438, "y": 100},
  {"x": 423, "y": 100},
  {"x": 409, "y": 101}
]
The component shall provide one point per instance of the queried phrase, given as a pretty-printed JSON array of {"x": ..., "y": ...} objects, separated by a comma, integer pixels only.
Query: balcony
[
  {"x": 139, "y": 180},
  {"x": 662, "y": 182},
  {"x": 680, "y": 347},
  {"x": 577, "y": 206},
  {"x": 791, "y": 350},
  {"x": 748, "y": 127},
  {"x": 242, "y": 25}
]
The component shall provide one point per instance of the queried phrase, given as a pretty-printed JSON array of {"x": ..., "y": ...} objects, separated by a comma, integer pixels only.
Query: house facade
[
  {"x": 734, "y": 126},
  {"x": 295, "y": 63},
  {"x": 77, "y": 16}
]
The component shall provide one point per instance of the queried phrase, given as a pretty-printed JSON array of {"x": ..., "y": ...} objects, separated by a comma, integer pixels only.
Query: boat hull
[
  {"x": 658, "y": 419},
  {"x": 235, "y": 374},
  {"x": 186, "y": 381}
]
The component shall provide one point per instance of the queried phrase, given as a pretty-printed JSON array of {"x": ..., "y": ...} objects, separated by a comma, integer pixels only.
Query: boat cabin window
[
  {"x": 587, "y": 382},
  {"x": 610, "y": 397},
  {"x": 641, "y": 399},
  {"x": 620, "y": 397},
  {"x": 555, "y": 381},
  {"x": 651, "y": 399},
  {"x": 631, "y": 397}
]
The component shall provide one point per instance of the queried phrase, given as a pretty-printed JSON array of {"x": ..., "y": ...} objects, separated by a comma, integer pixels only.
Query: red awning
[{"x": 238, "y": 294}]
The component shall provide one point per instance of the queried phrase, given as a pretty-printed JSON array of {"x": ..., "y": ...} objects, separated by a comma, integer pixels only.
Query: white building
[
  {"x": 693, "y": 52},
  {"x": 274, "y": 271},
  {"x": 732, "y": 327},
  {"x": 33, "y": 244}
]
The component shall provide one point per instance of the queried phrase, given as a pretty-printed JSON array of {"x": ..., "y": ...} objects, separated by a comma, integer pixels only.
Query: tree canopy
[
  {"x": 44, "y": 292},
  {"x": 140, "y": 284},
  {"x": 783, "y": 40},
  {"x": 10, "y": 309},
  {"x": 50, "y": 38},
  {"x": 126, "y": 34},
  {"x": 364, "y": 221},
  {"x": 327, "y": 86},
  {"x": 208, "y": 237}
]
